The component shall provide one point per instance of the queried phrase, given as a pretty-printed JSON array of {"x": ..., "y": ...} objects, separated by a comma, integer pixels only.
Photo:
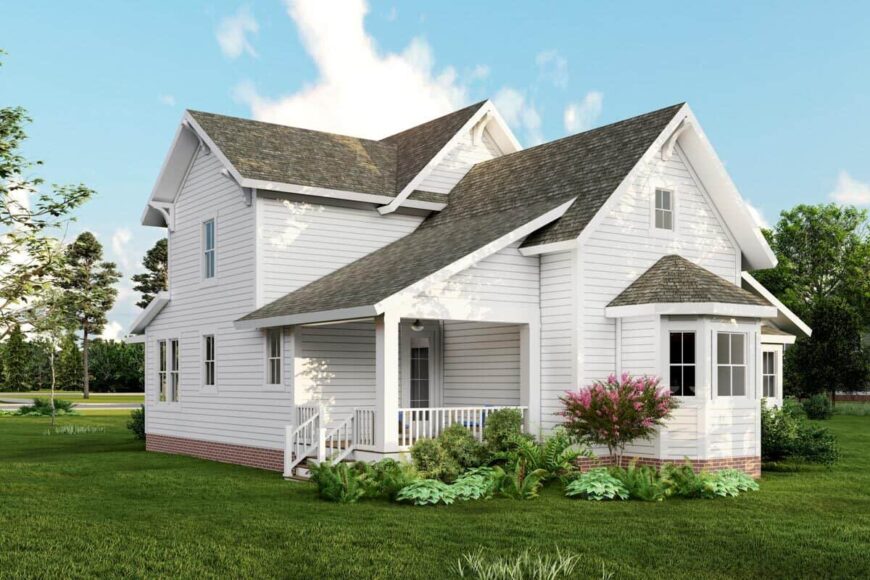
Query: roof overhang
[
  {"x": 777, "y": 338},
  {"x": 148, "y": 314},
  {"x": 785, "y": 319},
  {"x": 691, "y": 308}
]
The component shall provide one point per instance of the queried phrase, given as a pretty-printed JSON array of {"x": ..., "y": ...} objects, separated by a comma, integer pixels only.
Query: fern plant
[
  {"x": 521, "y": 483},
  {"x": 641, "y": 481},
  {"x": 556, "y": 455},
  {"x": 341, "y": 483},
  {"x": 597, "y": 485}
]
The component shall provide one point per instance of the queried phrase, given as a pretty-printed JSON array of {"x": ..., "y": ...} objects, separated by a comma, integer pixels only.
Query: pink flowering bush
[{"x": 617, "y": 411}]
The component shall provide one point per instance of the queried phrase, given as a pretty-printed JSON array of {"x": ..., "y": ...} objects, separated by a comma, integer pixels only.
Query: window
[
  {"x": 208, "y": 245},
  {"x": 664, "y": 209},
  {"x": 731, "y": 364},
  {"x": 168, "y": 370},
  {"x": 173, "y": 370},
  {"x": 161, "y": 372},
  {"x": 208, "y": 359},
  {"x": 768, "y": 373},
  {"x": 273, "y": 355},
  {"x": 682, "y": 364},
  {"x": 420, "y": 377}
]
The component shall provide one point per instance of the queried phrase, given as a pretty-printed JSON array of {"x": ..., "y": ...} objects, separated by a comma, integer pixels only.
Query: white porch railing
[
  {"x": 301, "y": 441},
  {"x": 417, "y": 424}
]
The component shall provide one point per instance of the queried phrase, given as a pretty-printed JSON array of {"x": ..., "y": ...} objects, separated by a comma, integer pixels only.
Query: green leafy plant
[
  {"x": 818, "y": 407},
  {"x": 641, "y": 481},
  {"x": 787, "y": 435},
  {"x": 432, "y": 460},
  {"x": 385, "y": 478},
  {"x": 732, "y": 482},
  {"x": 597, "y": 485},
  {"x": 340, "y": 482},
  {"x": 683, "y": 481},
  {"x": 524, "y": 565},
  {"x": 136, "y": 424},
  {"x": 518, "y": 482},
  {"x": 503, "y": 428},
  {"x": 462, "y": 447},
  {"x": 556, "y": 455},
  {"x": 427, "y": 492},
  {"x": 42, "y": 407}
]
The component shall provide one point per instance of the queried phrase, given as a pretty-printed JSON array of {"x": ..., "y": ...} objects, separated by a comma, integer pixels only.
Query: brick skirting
[
  {"x": 271, "y": 459},
  {"x": 750, "y": 465}
]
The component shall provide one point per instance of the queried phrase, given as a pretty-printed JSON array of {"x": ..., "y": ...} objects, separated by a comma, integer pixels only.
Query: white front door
[{"x": 421, "y": 364}]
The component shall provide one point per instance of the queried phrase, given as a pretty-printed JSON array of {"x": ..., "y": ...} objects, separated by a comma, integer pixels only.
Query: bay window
[
  {"x": 682, "y": 364},
  {"x": 730, "y": 364}
]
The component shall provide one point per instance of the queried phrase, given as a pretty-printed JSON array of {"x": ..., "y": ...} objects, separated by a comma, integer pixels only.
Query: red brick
[{"x": 259, "y": 457}]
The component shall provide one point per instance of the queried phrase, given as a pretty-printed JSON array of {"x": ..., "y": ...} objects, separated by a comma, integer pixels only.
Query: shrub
[
  {"x": 786, "y": 434},
  {"x": 385, "y": 478},
  {"x": 682, "y": 481},
  {"x": 524, "y": 565},
  {"x": 42, "y": 407},
  {"x": 427, "y": 492},
  {"x": 641, "y": 481},
  {"x": 818, "y": 407},
  {"x": 731, "y": 482},
  {"x": 617, "y": 411},
  {"x": 462, "y": 447},
  {"x": 596, "y": 484},
  {"x": 556, "y": 456},
  {"x": 341, "y": 482},
  {"x": 502, "y": 430},
  {"x": 136, "y": 424},
  {"x": 433, "y": 461}
]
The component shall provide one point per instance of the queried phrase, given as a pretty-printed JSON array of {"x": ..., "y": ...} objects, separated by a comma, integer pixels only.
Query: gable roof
[
  {"x": 282, "y": 154},
  {"x": 383, "y": 273},
  {"x": 416, "y": 146},
  {"x": 785, "y": 318},
  {"x": 674, "y": 279},
  {"x": 588, "y": 166}
]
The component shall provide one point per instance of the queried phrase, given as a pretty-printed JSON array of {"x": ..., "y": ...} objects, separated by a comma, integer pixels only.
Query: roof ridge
[{"x": 476, "y": 105}]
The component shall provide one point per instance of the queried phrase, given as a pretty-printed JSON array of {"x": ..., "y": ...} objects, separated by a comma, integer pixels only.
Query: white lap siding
[
  {"x": 481, "y": 364},
  {"x": 557, "y": 332},
  {"x": 239, "y": 409},
  {"x": 458, "y": 162}
]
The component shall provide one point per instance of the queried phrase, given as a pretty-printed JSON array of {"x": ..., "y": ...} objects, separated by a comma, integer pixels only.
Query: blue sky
[{"x": 781, "y": 88}]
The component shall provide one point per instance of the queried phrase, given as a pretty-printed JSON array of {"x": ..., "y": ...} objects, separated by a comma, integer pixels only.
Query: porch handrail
[
  {"x": 300, "y": 442},
  {"x": 418, "y": 423}
]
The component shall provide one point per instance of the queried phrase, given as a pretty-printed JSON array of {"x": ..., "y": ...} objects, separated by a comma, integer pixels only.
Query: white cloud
[
  {"x": 479, "y": 72},
  {"x": 520, "y": 113},
  {"x": 851, "y": 191},
  {"x": 120, "y": 241},
  {"x": 232, "y": 33},
  {"x": 168, "y": 100},
  {"x": 112, "y": 331},
  {"x": 553, "y": 67},
  {"x": 757, "y": 215},
  {"x": 581, "y": 115},
  {"x": 359, "y": 90}
]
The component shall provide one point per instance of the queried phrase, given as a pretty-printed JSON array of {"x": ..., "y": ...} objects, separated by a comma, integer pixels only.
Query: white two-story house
[{"x": 331, "y": 296}]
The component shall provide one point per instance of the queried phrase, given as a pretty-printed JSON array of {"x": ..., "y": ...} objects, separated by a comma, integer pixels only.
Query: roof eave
[
  {"x": 353, "y": 313},
  {"x": 149, "y": 313},
  {"x": 785, "y": 317},
  {"x": 691, "y": 308}
]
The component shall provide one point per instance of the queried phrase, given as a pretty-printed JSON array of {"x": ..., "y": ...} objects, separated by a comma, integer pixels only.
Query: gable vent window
[
  {"x": 664, "y": 210},
  {"x": 208, "y": 245}
]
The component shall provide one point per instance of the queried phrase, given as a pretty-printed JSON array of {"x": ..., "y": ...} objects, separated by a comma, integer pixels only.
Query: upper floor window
[
  {"x": 664, "y": 209},
  {"x": 768, "y": 373},
  {"x": 208, "y": 249},
  {"x": 731, "y": 364},
  {"x": 208, "y": 359},
  {"x": 274, "y": 338},
  {"x": 682, "y": 364},
  {"x": 168, "y": 371}
]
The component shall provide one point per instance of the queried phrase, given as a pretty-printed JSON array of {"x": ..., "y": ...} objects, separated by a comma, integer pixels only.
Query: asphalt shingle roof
[
  {"x": 676, "y": 279},
  {"x": 384, "y": 272}
]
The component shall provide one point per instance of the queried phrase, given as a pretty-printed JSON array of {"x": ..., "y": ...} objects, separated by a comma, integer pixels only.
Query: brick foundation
[
  {"x": 271, "y": 459},
  {"x": 750, "y": 465}
]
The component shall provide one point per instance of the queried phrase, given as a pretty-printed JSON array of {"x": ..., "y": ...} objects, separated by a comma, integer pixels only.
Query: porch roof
[{"x": 354, "y": 290}]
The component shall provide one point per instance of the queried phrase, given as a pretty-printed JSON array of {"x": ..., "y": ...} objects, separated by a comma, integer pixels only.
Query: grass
[
  {"x": 77, "y": 397},
  {"x": 95, "y": 504},
  {"x": 852, "y": 408}
]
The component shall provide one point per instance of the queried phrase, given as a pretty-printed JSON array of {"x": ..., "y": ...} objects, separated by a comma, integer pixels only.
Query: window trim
[
  {"x": 777, "y": 353},
  {"x": 663, "y": 210},
  {"x": 168, "y": 370},
  {"x": 269, "y": 358},
  {"x": 204, "y": 251},
  {"x": 745, "y": 365},
  {"x": 683, "y": 364},
  {"x": 205, "y": 361},
  {"x": 660, "y": 182}
]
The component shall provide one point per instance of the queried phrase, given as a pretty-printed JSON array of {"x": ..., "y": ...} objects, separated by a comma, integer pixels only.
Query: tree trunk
[
  {"x": 86, "y": 392},
  {"x": 53, "y": 382}
]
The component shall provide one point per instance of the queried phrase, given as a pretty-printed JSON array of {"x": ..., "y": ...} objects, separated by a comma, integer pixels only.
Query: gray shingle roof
[
  {"x": 415, "y": 147},
  {"x": 406, "y": 261},
  {"x": 676, "y": 279},
  {"x": 588, "y": 166}
]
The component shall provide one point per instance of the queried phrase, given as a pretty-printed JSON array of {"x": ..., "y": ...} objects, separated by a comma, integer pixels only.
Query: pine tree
[
  {"x": 15, "y": 361},
  {"x": 90, "y": 292},
  {"x": 69, "y": 364},
  {"x": 155, "y": 279}
]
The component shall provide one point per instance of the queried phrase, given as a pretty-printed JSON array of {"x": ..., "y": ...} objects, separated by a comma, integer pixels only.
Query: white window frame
[
  {"x": 407, "y": 338},
  {"x": 162, "y": 371},
  {"x": 206, "y": 361},
  {"x": 657, "y": 183},
  {"x": 205, "y": 252},
  {"x": 777, "y": 351},
  {"x": 745, "y": 365},
  {"x": 665, "y": 212},
  {"x": 168, "y": 370},
  {"x": 270, "y": 332},
  {"x": 697, "y": 336}
]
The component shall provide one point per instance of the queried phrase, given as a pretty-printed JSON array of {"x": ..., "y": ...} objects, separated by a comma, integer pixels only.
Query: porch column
[
  {"x": 530, "y": 375},
  {"x": 387, "y": 382}
]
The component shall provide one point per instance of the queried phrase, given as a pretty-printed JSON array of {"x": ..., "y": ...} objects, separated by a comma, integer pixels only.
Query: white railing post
[
  {"x": 288, "y": 449},
  {"x": 321, "y": 442}
]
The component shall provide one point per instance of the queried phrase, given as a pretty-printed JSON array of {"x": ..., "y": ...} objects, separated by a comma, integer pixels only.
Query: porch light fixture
[{"x": 416, "y": 326}]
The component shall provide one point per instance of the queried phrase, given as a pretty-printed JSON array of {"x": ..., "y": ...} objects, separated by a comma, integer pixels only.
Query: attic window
[{"x": 664, "y": 209}]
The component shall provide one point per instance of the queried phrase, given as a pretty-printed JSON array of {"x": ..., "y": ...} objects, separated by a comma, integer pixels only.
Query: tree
[
  {"x": 69, "y": 363},
  {"x": 832, "y": 358},
  {"x": 90, "y": 291},
  {"x": 15, "y": 361},
  {"x": 154, "y": 280},
  {"x": 117, "y": 366},
  {"x": 823, "y": 252},
  {"x": 29, "y": 218}
]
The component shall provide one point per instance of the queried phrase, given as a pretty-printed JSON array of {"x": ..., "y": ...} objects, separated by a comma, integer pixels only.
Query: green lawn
[
  {"x": 77, "y": 397},
  {"x": 98, "y": 505}
]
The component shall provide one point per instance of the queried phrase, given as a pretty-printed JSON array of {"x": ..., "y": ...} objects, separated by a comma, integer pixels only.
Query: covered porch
[{"x": 371, "y": 388}]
